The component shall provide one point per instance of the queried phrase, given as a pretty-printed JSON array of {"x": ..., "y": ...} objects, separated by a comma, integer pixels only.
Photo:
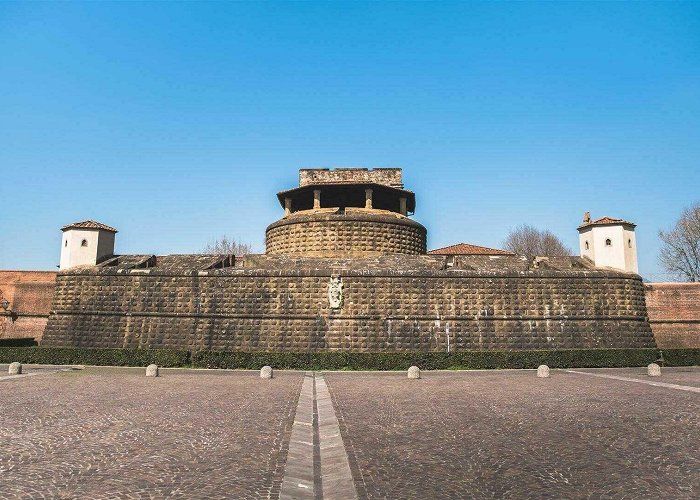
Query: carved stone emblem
[{"x": 335, "y": 292}]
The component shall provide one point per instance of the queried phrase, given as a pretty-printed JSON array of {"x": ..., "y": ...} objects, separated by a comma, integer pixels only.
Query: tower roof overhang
[
  {"x": 347, "y": 194},
  {"x": 90, "y": 224}
]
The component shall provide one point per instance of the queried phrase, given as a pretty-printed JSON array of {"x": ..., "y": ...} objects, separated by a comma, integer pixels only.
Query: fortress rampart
[{"x": 388, "y": 304}]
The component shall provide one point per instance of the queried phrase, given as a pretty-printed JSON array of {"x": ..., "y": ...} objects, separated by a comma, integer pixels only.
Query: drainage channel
[{"x": 317, "y": 464}]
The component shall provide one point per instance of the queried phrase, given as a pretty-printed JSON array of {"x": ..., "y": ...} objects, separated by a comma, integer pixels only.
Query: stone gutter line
[
  {"x": 44, "y": 372},
  {"x": 298, "y": 481},
  {"x": 647, "y": 382},
  {"x": 317, "y": 464},
  {"x": 336, "y": 476}
]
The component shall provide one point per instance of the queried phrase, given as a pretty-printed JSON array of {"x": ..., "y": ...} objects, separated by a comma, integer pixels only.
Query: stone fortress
[{"x": 346, "y": 268}]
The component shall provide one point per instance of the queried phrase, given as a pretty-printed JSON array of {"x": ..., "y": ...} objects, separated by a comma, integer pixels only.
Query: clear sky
[{"x": 178, "y": 122}]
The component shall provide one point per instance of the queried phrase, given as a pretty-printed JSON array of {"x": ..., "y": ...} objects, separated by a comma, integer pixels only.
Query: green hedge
[
  {"x": 25, "y": 342},
  {"x": 680, "y": 357},
  {"x": 462, "y": 360},
  {"x": 100, "y": 357},
  {"x": 467, "y": 360}
]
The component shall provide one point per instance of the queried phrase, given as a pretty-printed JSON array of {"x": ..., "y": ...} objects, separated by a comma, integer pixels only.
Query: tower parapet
[{"x": 386, "y": 176}]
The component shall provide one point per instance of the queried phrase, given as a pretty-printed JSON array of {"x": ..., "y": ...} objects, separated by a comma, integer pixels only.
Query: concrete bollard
[
  {"x": 414, "y": 372},
  {"x": 543, "y": 371},
  {"x": 15, "y": 368},
  {"x": 152, "y": 371},
  {"x": 654, "y": 370},
  {"x": 266, "y": 372}
]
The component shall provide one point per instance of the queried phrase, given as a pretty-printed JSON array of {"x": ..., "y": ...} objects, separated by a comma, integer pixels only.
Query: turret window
[
  {"x": 83, "y": 243},
  {"x": 586, "y": 245},
  {"x": 608, "y": 243},
  {"x": 629, "y": 243},
  {"x": 65, "y": 244}
]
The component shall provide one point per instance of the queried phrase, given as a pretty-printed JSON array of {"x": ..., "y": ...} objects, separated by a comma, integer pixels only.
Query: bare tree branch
[
  {"x": 680, "y": 251},
  {"x": 527, "y": 240},
  {"x": 228, "y": 246}
]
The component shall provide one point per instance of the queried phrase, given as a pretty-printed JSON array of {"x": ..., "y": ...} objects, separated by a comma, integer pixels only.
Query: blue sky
[{"x": 178, "y": 122}]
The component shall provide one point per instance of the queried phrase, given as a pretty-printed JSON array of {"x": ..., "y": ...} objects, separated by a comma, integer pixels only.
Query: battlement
[{"x": 385, "y": 176}]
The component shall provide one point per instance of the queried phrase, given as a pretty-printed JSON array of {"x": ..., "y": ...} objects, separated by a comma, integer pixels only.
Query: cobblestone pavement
[
  {"x": 510, "y": 435},
  {"x": 113, "y": 433}
]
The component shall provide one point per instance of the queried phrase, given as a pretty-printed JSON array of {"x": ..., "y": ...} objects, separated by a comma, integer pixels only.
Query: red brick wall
[
  {"x": 674, "y": 313},
  {"x": 29, "y": 294}
]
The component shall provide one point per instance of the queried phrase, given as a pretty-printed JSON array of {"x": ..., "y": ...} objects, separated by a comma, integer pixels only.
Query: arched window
[
  {"x": 608, "y": 243},
  {"x": 66, "y": 243},
  {"x": 629, "y": 243},
  {"x": 586, "y": 245},
  {"x": 83, "y": 243}
]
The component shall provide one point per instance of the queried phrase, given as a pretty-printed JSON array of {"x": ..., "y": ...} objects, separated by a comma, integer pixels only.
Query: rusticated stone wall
[
  {"x": 329, "y": 235},
  {"x": 383, "y": 310},
  {"x": 674, "y": 314},
  {"x": 386, "y": 176},
  {"x": 29, "y": 294}
]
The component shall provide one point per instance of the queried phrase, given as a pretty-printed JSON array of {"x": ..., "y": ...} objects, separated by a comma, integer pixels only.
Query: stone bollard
[
  {"x": 543, "y": 371},
  {"x": 654, "y": 370},
  {"x": 152, "y": 371},
  {"x": 266, "y": 372},
  {"x": 414, "y": 372},
  {"x": 15, "y": 368}
]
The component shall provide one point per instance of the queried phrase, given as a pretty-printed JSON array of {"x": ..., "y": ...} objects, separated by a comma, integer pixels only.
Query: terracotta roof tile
[
  {"x": 605, "y": 221},
  {"x": 89, "y": 224},
  {"x": 468, "y": 249}
]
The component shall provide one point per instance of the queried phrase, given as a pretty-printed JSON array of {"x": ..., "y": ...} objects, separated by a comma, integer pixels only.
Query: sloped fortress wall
[{"x": 386, "y": 304}]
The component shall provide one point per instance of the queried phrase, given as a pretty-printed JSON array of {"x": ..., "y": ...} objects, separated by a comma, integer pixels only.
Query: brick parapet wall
[
  {"x": 382, "y": 311},
  {"x": 29, "y": 294},
  {"x": 674, "y": 313}
]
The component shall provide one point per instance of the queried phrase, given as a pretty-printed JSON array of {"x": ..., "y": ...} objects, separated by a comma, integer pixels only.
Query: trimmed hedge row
[
  {"x": 680, "y": 357},
  {"x": 25, "y": 342},
  {"x": 471, "y": 360},
  {"x": 463, "y": 360},
  {"x": 99, "y": 357}
]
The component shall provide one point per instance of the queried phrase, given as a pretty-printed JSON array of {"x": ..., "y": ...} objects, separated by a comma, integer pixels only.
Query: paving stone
[
  {"x": 496, "y": 434},
  {"x": 112, "y": 433}
]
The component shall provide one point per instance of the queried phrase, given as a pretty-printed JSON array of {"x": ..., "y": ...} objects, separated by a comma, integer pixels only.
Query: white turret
[
  {"x": 609, "y": 242},
  {"x": 86, "y": 243}
]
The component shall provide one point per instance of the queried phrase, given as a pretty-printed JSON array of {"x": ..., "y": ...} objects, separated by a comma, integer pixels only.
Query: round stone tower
[{"x": 347, "y": 212}]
